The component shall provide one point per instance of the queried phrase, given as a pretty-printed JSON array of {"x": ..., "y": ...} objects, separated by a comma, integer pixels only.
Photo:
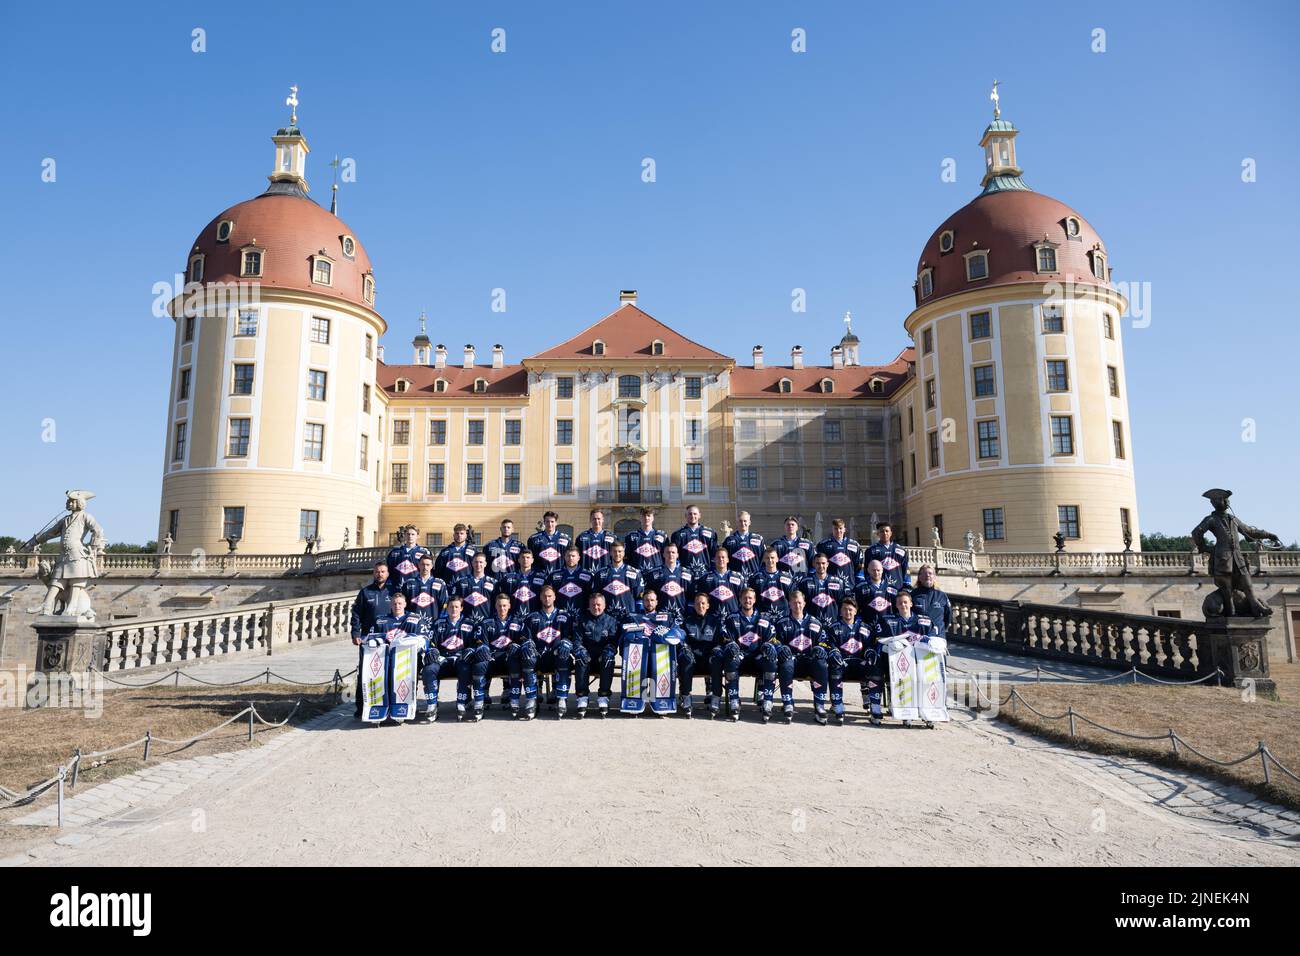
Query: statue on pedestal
[
  {"x": 78, "y": 560},
  {"x": 1234, "y": 594},
  {"x": 934, "y": 533},
  {"x": 970, "y": 540},
  {"x": 167, "y": 543}
]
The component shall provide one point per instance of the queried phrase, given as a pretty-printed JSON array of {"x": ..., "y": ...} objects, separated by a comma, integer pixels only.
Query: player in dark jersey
[
  {"x": 548, "y": 544},
  {"x": 595, "y": 542},
  {"x": 644, "y": 547},
  {"x": 695, "y": 543},
  {"x": 794, "y": 553},
  {"x": 744, "y": 547}
]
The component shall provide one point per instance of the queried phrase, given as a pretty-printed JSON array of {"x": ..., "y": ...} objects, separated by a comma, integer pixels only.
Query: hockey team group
[{"x": 668, "y": 607}]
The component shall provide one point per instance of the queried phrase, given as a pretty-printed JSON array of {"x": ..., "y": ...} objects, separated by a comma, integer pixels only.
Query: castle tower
[
  {"x": 1016, "y": 425},
  {"x": 274, "y": 421}
]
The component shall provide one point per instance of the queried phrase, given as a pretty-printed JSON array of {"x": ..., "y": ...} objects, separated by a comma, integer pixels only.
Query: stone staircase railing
[{"x": 203, "y": 563}]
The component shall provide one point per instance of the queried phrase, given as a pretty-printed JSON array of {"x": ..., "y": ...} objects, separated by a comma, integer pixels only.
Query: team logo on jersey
[
  {"x": 823, "y": 599},
  {"x": 695, "y": 546},
  {"x": 423, "y": 599},
  {"x": 549, "y": 554},
  {"x": 646, "y": 549},
  {"x": 878, "y": 603},
  {"x": 405, "y": 566},
  {"x": 773, "y": 593},
  {"x": 475, "y": 598},
  {"x": 801, "y": 643},
  {"x": 617, "y": 588},
  {"x": 748, "y": 638},
  {"x": 889, "y": 563},
  {"x": 595, "y": 552},
  {"x": 453, "y": 642},
  {"x": 744, "y": 554},
  {"x": 570, "y": 589},
  {"x": 502, "y": 641},
  {"x": 457, "y": 564},
  {"x": 840, "y": 558},
  {"x": 548, "y": 634},
  {"x": 723, "y": 593},
  {"x": 672, "y": 588},
  {"x": 851, "y": 645},
  {"x": 524, "y": 593}
]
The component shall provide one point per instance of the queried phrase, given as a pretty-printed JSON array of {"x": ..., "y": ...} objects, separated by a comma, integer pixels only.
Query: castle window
[
  {"x": 242, "y": 382},
  {"x": 629, "y": 386},
  {"x": 438, "y": 432},
  {"x": 401, "y": 431},
  {"x": 694, "y": 478},
  {"x": 1062, "y": 435},
  {"x": 440, "y": 385},
  {"x": 189, "y": 329},
  {"x": 322, "y": 270},
  {"x": 990, "y": 445},
  {"x": 657, "y": 347},
  {"x": 564, "y": 386},
  {"x": 1045, "y": 256},
  {"x": 927, "y": 341},
  {"x": 1108, "y": 324},
  {"x": 598, "y": 347},
  {"x": 474, "y": 478},
  {"x": 694, "y": 386},
  {"x": 977, "y": 266},
  {"x": 832, "y": 431},
  {"x": 564, "y": 431},
  {"x": 370, "y": 346},
  {"x": 437, "y": 479},
  {"x": 514, "y": 431},
  {"x": 1053, "y": 319},
  {"x": 1072, "y": 228},
  {"x": 247, "y": 323},
  {"x": 748, "y": 478},
  {"x": 1117, "y": 433},
  {"x": 981, "y": 325},
  {"x": 308, "y": 524},
  {"x": 224, "y": 229},
  {"x": 320, "y": 331},
  {"x": 183, "y": 389},
  {"x": 929, "y": 394},
  {"x": 926, "y": 282},
  {"x": 316, "y": 385},
  {"x": 510, "y": 479},
  {"x": 313, "y": 441},
  {"x": 933, "y": 461},
  {"x": 835, "y": 478},
  {"x": 368, "y": 291},
  {"x": 828, "y": 386},
  {"x": 365, "y": 399},
  {"x": 349, "y": 246},
  {"x": 178, "y": 446},
  {"x": 400, "y": 473},
  {"x": 945, "y": 241},
  {"x": 1058, "y": 375},
  {"x": 196, "y": 268},
  {"x": 474, "y": 430},
  {"x": 364, "y": 449},
  {"x": 240, "y": 431},
  {"x": 401, "y": 385},
  {"x": 876, "y": 386},
  {"x": 1099, "y": 264},
  {"x": 564, "y": 478},
  {"x": 984, "y": 380},
  {"x": 250, "y": 263},
  {"x": 1112, "y": 380},
  {"x": 783, "y": 386},
  {"x": 480, "y": 385},
  {"x": 232, "y": 522},
  {"x": 1067, "y": 518},
  {"x": 995, "y": 527}
]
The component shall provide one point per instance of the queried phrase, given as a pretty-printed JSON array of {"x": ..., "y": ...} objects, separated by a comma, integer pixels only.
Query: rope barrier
[{"x": 263, "y": 674}]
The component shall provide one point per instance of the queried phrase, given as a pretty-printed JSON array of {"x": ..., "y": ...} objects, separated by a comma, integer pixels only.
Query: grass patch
[{"x": 1215, "y": 720}]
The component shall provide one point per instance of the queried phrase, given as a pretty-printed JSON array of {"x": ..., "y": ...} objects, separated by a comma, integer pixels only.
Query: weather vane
[
  {"x": 997, "y": 103},
  {"x": 292, "y": 103}
]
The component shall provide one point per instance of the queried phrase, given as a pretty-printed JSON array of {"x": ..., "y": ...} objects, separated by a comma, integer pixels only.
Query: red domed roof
[
  {"x": 289, "y": 229},
  {"x": 1008, "y": 223}
]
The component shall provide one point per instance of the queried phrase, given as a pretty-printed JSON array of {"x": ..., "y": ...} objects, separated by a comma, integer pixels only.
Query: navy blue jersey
[
  {"x": 476, "y": 593},
  {"x": 653, "y": 624},
  {"x": 426, "y": 595},
  {"x": 597, "y": 630},
  {"x": 548, "y": 550},
  {"x": 595, "y": 546},
  {"x": 695, "y": 547},
  {"x": 723, "y": 589},
  {"x": 874, "y": 599},
  {"x": 525, "y": 590},
  {"x": 545, "y": 629},
  {"x": 404, "y": 562},
  {"x": 749, "y": 631},
  {"x": 794, "y": 555},
  {"x": 852, "y": 638},
  {"x": 773, "y": 589},
  {"x": 824, "y": 595},
  {"x": 453, "y": 638},
  {"x": 499, "y": 634},
  {"x": 702, "y": 633},
  {"x": 801, "y": 635},
  {"x": 745, "y": 552},
  {"x": 916, "y": 627},
  {"x": 372, "y": 603},
  {"x": 844, "y": 555},
  {"x": 572, "y": 587},
  {"x": 935, "y": 605},
  {"x": 392, "y": 628},
  {"x": 674, "y": 586},
  {"x": 622, "y": 588},
  {"x": 454, "y": 561},
  {"x": 893, "y": 558},
  {"x": 502, "y": 556},
  {"x": 645, "y": 549}
]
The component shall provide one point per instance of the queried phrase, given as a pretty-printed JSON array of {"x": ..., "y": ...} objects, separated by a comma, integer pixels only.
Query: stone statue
[
  {"x": 817, "y": 527},
  {"x": 1227, "y": 565},
  {"x": 167, "y": 543},
  {"x": 1059, "y": 540},
  {"x": 875, "y": 534},
  {"x": 724, "y": 530},
  {"x": 979, "y": 542},
  {"x": 78, "y": 561},
  {"x": 934, "y": 533},
  {"x": 11, "y": 550},
  {"x": 345, "y": 538},
  {"x": 970, "y": 540}
]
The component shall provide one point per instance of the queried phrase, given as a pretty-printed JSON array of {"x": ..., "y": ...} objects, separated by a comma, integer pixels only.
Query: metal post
[
  {"x": 148, "y": 739},
  {"x": 62, "y": 772},
  {"x": 250, "y": 721},
  {"x": 1263, "y": 758},
  {"x": 1173, "y": 739},
  {"x": 1070, "y": 711},
  {"x": 268, "y": 675},
  {"x": 76, "y": 767},
  {"x": 177, "y": 675}
]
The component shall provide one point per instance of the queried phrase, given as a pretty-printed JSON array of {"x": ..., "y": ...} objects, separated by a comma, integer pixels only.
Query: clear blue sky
[{"x": 775, "y": 170}]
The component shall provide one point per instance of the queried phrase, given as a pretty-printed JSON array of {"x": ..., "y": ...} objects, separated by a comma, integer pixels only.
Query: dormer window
[
  {"x": 828, "y": 386},
  {"x": 1072, "y": 227},
  {"x": 945, "y": 241},
  {"x": 926, "y": 282},
  {"x": 224, "y": 229},
  {"x": 368, "y": 288},
  {"x": 401, "y": 385},
  {"x": 977, "y": 265},
  {"x": 480, "y": 385},
  {"x": 440, "y": 385},
  {"x": 322, "y": 270},
  {"x": 250, "y": 262},
  {"x": 876, "y": 386},
  {"x": 1045, "y": 256},
  {"x": 657, "y": 347},
  {"x": 598, "y": 347},
  {"x": 196, "y": 268},
  {"x": 349, "y": 247},
  {"x": 1099, "y": 264},
  {"x": 783, "y": 386}
]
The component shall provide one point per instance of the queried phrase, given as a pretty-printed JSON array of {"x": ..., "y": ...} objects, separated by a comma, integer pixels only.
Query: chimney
[
  {"x": 627, "y": 297},
  {"x": 498, "y": 356},
  {"x": 758, "y": 356},
  {"x": 796, "y": 357},
  {"x": 469, "y": 356},
  {"x": 440, "y": 356},
  {"x": 837, "y": 357},
  {"x": 379, "y": 350}
]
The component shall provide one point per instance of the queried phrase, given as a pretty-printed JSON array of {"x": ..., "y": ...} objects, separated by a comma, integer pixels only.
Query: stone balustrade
[{"x": 203, "y": 564}]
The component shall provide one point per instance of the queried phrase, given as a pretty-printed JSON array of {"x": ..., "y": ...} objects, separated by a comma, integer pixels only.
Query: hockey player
[
  {"x": 874, "y": 595},
  {"x": 773, "y": 585},
  {"x": 503, "y": 552},
  {"x": 404, "y": 557},
  {"x": 548, "y": 544},
  {"x": 905, "y": 626},
  {"x": 426, "y": 592},
  {"x": 372, "y": 602},
  {"x": 644, "y": 547},
  {"x": 794, "y": 553},
  {"x": 595, "y": 645},
  {"x": 824, "y": 590},
  {"x": 672, "y": 580},
  {"x": 855, "y": 656},
  {"x": 547, "y": 650},
  {"x": 844, "y": 554},
  {"x": 929, "y": 601},
  {"x": 595, "y": 542},
  {"x": 655, "y": 623},
  {"x": 722, "y": 585},
  {"x": 891, "y": 555},
  {"x": 454, "y": 559},
  {"x": 503, "y": 633},
  {"x": 621, "y": 584},
  {"x": 476, "y": 589},
  {"x": 703, "y": 632},
  {"x": 573, "y": 583},
  {"x": 749, "y": 645},
  {"x": 744, "y": 547},
  {"x": 456, "y": 650},
  {"x": 695, "y": 543},
  {"x": 804, "y": 652},
  {"x": 523, "y": 585}
]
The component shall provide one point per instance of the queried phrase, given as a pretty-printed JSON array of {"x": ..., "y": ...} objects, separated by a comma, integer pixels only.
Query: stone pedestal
[
  {"x": 1239, "y": 648},
  {"x": 67, "y": 646}
]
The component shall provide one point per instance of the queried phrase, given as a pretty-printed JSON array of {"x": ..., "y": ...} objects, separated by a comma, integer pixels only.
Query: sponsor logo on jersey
[
  {"x": 646, "y": 549},
  {"x": 889, "y": 563},
  {"x": 524, "y": 593},
  {"x": 475, "y": 598},
  {"x": 743, "y": 554},
  {"x": 595, "y": 552},
  {"x": 453, "y": 642},
  {"x": 672, "y": 588},
  {"x": 403, "y": 688},
  {"x": 840, "y": 558},
  {"x": 549, "y": 554},
  {"x": 502, "y": 641},
  {"x": 748, "y": 638},
  {"x": 570, "y": 589},
  {"x": 457, "y": 564},
  {"x": 822, "y": 599},
  {"x": 423, "y": 599},
  {"x": 617, "y": 588},
  {"x": 851, "y": 645},
  {"x": 723, "y": 593},
  {"x": 405, "y": 566},
  {"x": 773, "y": 593},
  {"x": 801, "y": 643},
  {"x": 878, "y": 603},
  {"x": 548, "y": 634},
  {"x": 695, "y": 546}
]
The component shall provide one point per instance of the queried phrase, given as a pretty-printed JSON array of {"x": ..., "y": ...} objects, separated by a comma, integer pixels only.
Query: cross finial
[
  {"x": 997, "y": 103},
  {"x": 292, "y": 103},
  {"x": 422, "y": 321}
]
